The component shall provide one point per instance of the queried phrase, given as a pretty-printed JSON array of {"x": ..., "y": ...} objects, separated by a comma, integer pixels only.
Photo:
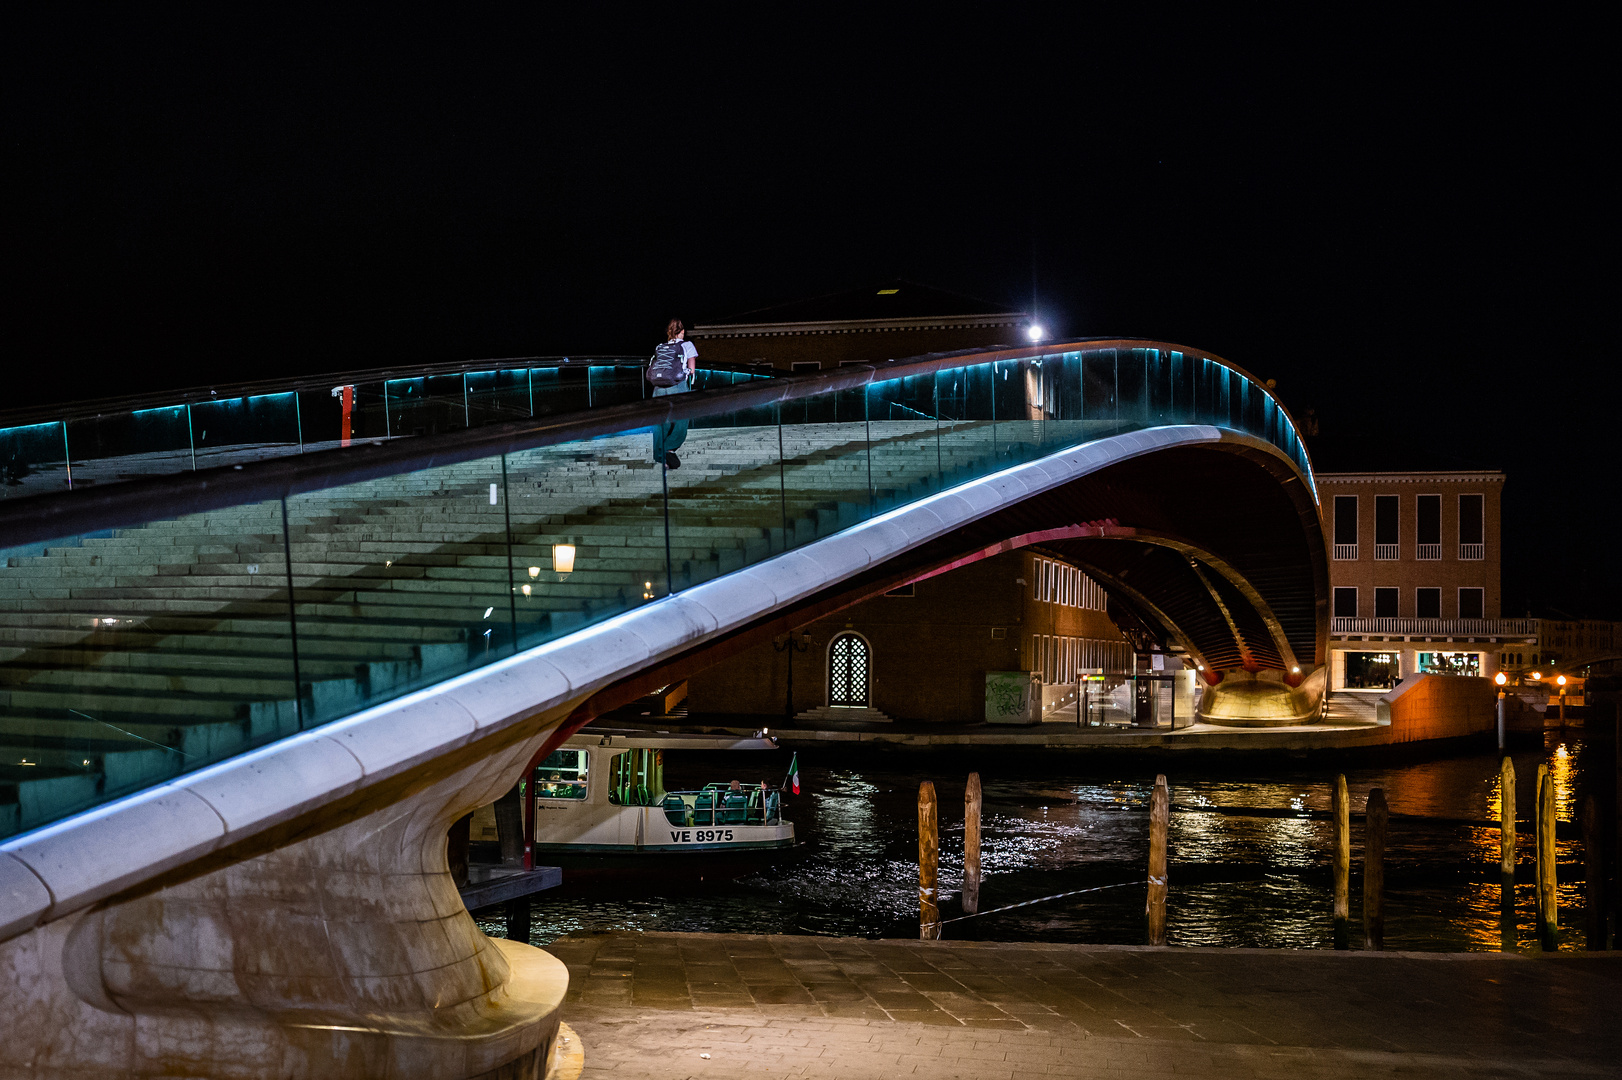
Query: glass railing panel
[
  {"x": 1065, "y": 396},
  {"x": 498, "y": 396},
  {"x": 1160, "y": 387},
  {"x": 407, "y": 579},
  {"x": 588, "y": 528},
  {"x": 1131, "y": 388},
  {"x": 711, "y": 379},
  {"x": 132, "y": 656},
  {"x": 33, "y": 460},
  {"x": 1183, "y": 378},
  {"x": 427, "y": 406},
  {"x": 122, "y": 446},
  {"x": 827, "y": 472},
  {"x": 559, "y": 390},
  {"x": 320, "y": 419},
  {"x": 616, "y": 384},
  {"x": 906, "y": 440},
  {"x": 232, "y": 431},
  {"x": 369, "y": 416},
  {"x": 1047, "y": 378},
  {"x": 969, "y": 445},
  {"x": 726, "y": 498},
  {"x": 1100, "y": 402}
]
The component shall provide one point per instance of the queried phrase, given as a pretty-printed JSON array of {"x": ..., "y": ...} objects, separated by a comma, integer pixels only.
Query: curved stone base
[
  {"x": 344, "y": 953},
  {"x": 1242, "y": 700}
]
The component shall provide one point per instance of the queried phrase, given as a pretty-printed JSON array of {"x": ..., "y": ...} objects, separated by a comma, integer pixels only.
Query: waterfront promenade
[{"x": 653, "y": 1005}]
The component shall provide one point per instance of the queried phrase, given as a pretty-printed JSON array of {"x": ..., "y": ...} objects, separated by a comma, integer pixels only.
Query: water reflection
[{"x": 1250, "y": 855}]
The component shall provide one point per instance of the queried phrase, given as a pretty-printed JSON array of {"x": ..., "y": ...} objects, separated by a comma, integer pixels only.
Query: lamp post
[
  {"x": 791, "y": 647},
  {"x": 1561, "y": 681},
  {"x": 1500, "y": 679}
]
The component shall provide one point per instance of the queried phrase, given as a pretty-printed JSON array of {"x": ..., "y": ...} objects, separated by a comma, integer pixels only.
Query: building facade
[
  {"x": 922, "y": 652},
  {"x": 888, "y": 321},
  {"x": 1572, "y": 643},
  {"x": 1414, "y": 573}
]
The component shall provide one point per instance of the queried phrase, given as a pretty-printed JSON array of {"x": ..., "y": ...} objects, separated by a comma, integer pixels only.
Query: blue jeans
[{"x": 668, "y": 437}]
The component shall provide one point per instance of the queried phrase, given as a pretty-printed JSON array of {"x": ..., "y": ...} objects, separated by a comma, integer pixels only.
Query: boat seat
[
  {"x": 702, "y": 806},
  {"x": 676, "y": 810},
  {"x": 734, "y": 809}
]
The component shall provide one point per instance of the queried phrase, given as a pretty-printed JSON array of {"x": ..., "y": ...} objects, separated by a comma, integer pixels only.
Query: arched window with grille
[{"x": 849, "y": 672}]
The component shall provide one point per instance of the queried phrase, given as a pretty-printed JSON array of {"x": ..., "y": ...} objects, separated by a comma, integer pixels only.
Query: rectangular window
[
  {"x": 1472, "y": 527},
  {"x": 1472, "y": 603},
  {"x": 1372, "y": 671},
  {"x": 1345, "y": 603},
  {"x": 1385, "y": 603},
  {"x": 1428, "y": 521},
  {"x": 1450, "y": 663},
  {"x": 1386, "y": 537},
  {"x": 1345, "y": 526},
  {"x": 1428, "y": 603},
  {"x": 1036, "y": 579},
  {"x": 562, "y": 775}
]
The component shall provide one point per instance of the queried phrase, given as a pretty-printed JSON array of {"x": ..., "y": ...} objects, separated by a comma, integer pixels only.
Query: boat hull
[{"x": 660, "y": 839}]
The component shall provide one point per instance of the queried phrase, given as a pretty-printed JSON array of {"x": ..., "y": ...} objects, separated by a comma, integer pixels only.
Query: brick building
[
  {"x": 1414, "y": 573},
  {"x": 922, "y": 652},
  {"x": 888, "y": 321}
]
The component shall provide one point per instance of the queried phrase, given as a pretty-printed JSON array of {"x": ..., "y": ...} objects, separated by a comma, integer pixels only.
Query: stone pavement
[{"x": 653, "y": 1005}]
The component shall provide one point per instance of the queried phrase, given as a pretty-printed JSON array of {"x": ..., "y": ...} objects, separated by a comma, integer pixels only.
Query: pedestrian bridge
[{"x": 242, "y": 698}]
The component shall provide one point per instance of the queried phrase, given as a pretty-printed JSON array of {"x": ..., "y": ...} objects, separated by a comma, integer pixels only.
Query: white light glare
[{"x": 1036, "y": 333}]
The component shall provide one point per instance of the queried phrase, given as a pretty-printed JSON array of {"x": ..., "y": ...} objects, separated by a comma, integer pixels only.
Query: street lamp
[
  {"x": 791, "y": 647},
  {"x": 1500, "y": 679},
  {"x": 1562, "y": 683}
]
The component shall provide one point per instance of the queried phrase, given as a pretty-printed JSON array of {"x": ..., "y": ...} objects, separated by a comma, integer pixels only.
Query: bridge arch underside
[{"x": 1213, "y": 550}]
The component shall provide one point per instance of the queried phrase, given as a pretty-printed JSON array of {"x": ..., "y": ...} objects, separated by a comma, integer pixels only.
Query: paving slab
[{"x": 846, "y": 1007}]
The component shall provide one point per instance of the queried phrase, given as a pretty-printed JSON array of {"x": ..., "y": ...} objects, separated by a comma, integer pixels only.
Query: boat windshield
[
  {"x": 637, "y": 778},
  {"x": 720, "y": 804}
]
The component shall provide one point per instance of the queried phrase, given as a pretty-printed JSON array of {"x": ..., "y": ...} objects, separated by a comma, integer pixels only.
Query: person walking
[{"x": 671, "y": 371}]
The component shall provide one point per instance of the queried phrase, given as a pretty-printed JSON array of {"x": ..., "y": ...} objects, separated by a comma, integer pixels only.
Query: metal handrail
[
  {"x": 198, "y": 395},
  {"x": 38, "y": 518}
]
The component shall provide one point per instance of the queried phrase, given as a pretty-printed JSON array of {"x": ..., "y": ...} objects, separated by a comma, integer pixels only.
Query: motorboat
[{"x": 603, "y": 792}]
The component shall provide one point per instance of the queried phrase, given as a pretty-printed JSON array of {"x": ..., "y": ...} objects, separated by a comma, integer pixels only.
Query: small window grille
[{"x": 848, "y": 673}]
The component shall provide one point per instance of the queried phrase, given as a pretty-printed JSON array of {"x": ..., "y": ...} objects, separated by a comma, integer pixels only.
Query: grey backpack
[{"x": 668, "y": 366}]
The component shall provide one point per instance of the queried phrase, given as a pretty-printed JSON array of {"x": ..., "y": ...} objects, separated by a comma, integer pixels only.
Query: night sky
[{"x": 1404, "y": 224}]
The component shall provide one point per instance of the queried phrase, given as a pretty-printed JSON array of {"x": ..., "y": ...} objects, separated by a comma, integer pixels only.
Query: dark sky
[{"x": 1400, "y": 222}]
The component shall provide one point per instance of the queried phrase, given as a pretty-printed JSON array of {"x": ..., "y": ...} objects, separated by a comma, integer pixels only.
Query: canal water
[{"x": 1250, "y": 850}]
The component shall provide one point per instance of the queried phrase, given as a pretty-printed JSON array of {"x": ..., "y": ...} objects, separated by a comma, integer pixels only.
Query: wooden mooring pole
[
  {"x": 1343, "y": 863},
  {"x": 971, "y": 845},
  {"x": 1509, "y": 936},
  {"x": 1374, "y": 871},
  {"x": 1159, "y": 822},
  {"x": 929, "y": 912},
  {"x": 1594, "y": 874},
  {"x": 1548, "y": 904}
]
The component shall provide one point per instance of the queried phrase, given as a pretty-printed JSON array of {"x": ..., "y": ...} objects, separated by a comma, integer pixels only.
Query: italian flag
[{"x": 794, "y": 773}]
